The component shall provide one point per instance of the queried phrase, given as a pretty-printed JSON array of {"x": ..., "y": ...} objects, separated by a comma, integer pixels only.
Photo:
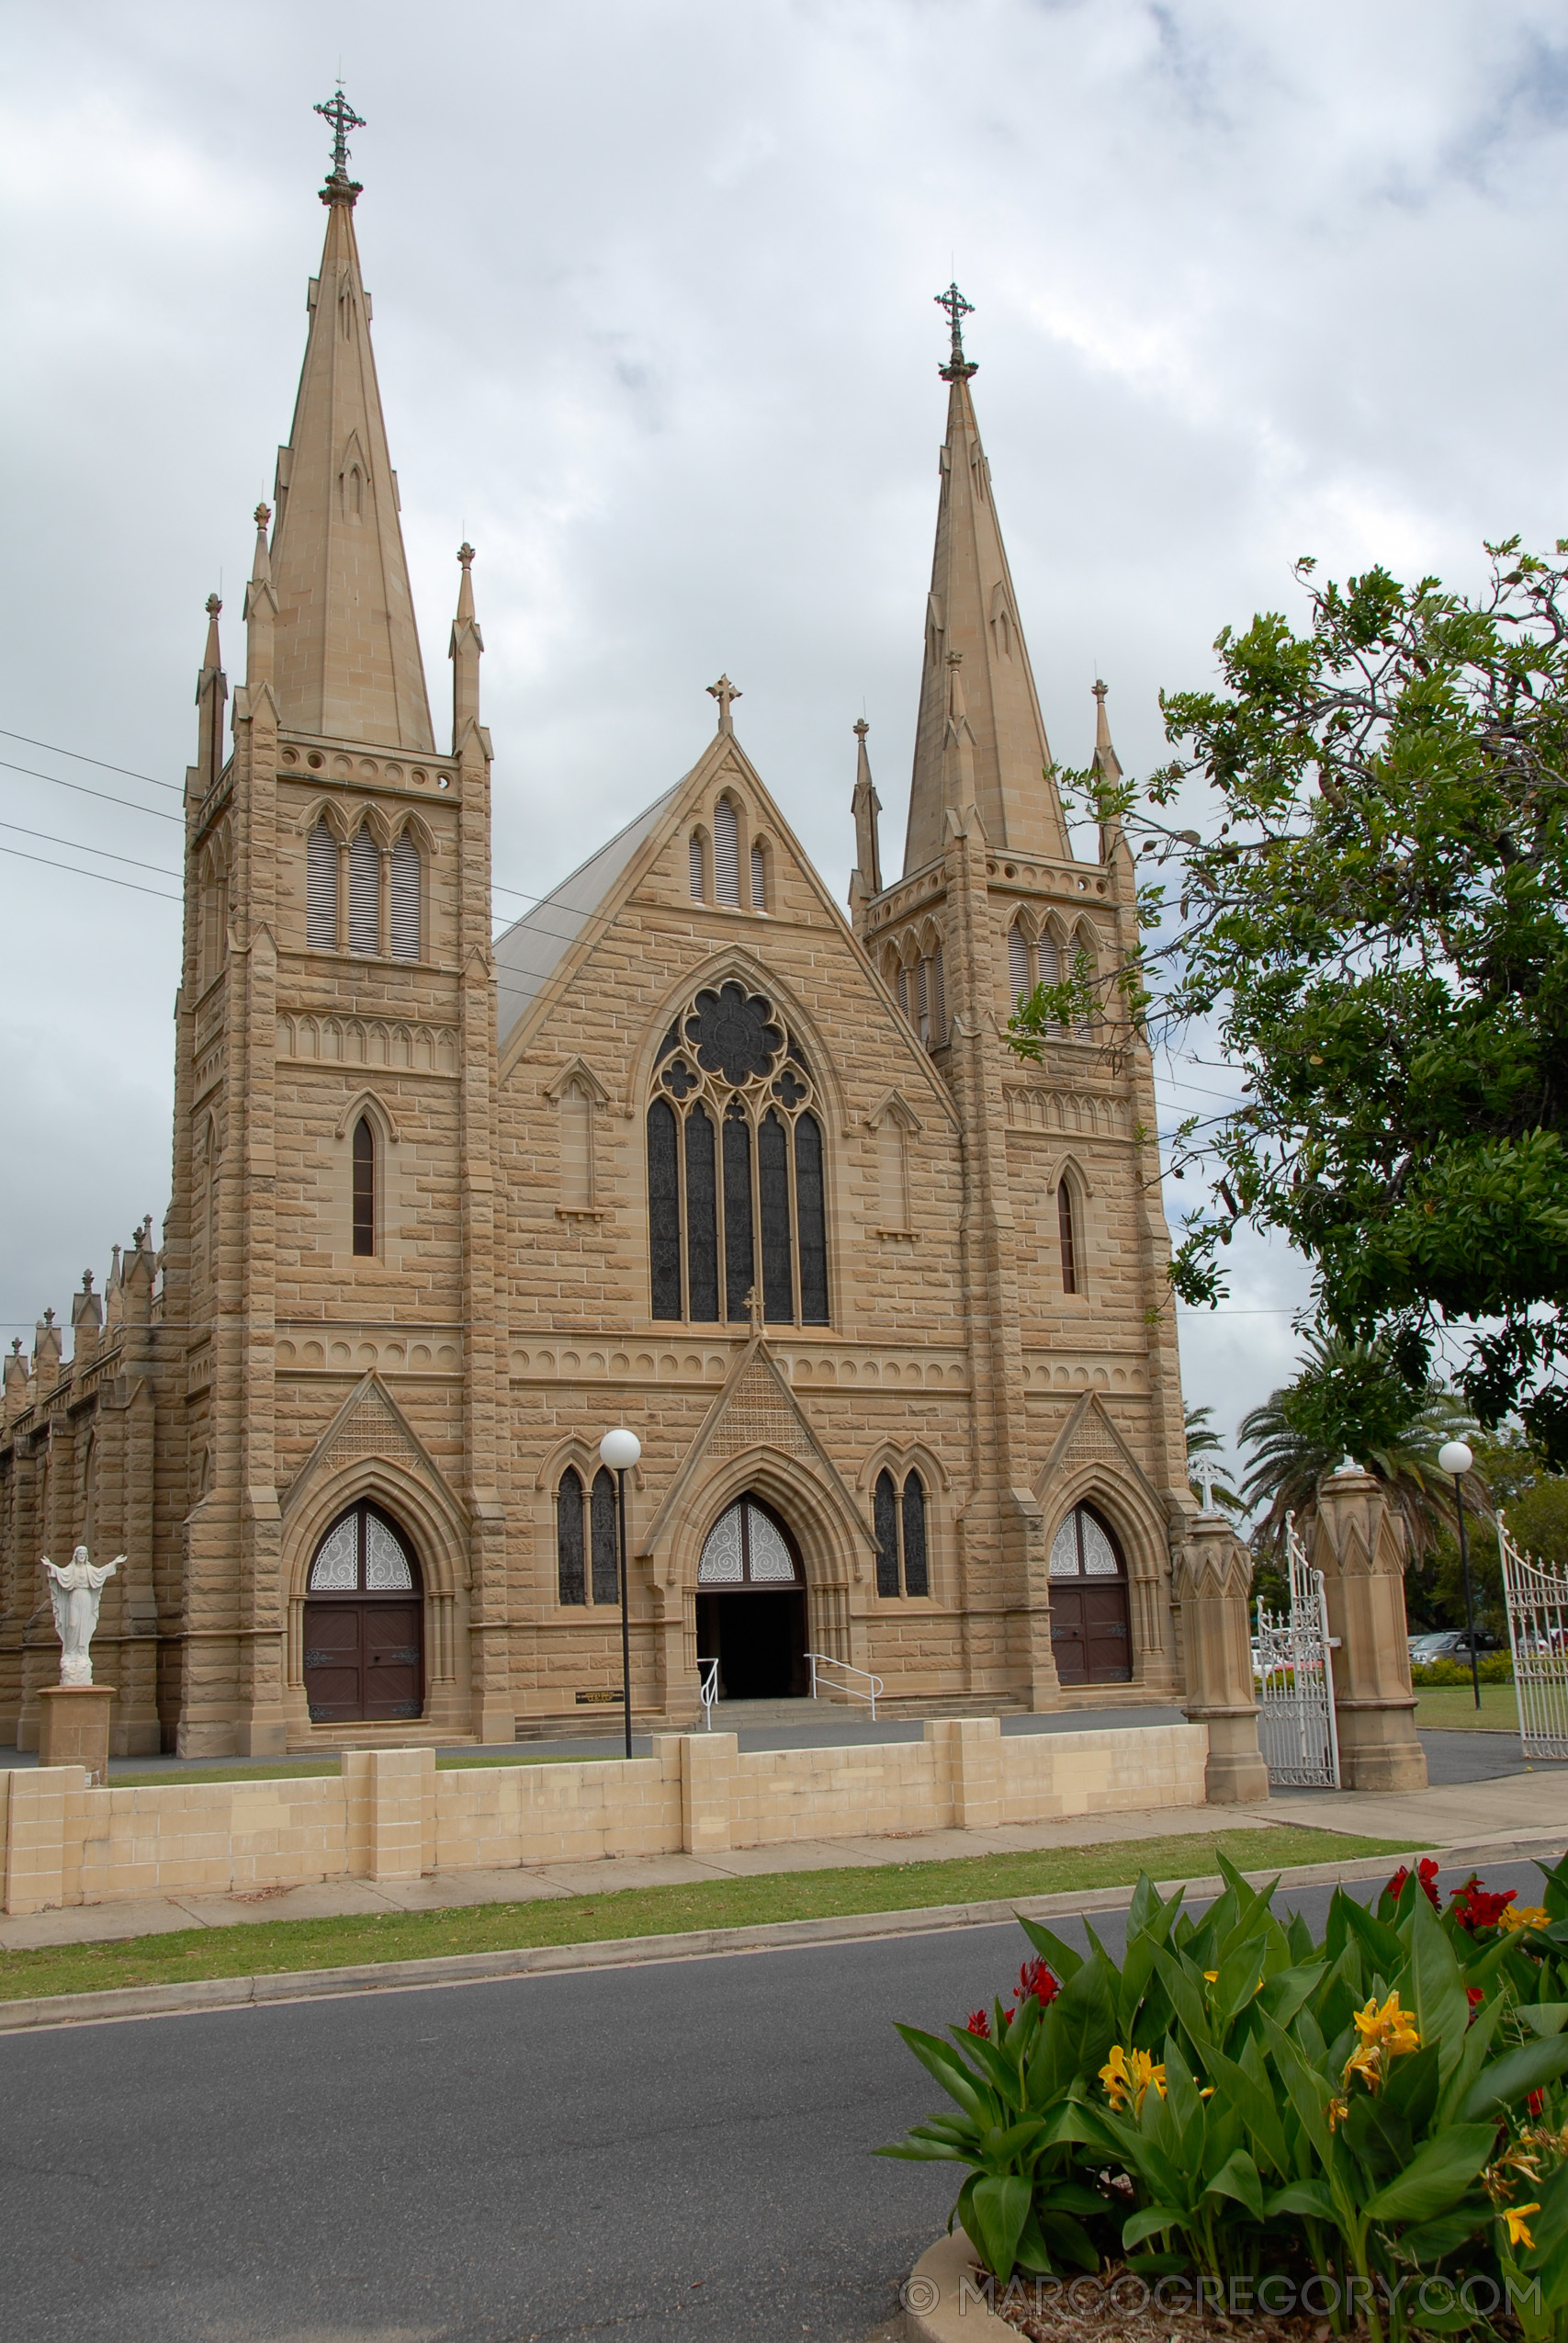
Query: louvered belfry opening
[
  {"x": 321, "y": 889},
  {"x": 405, "y": 899},
  {"x": 750, "y": 1605},
  {"x": 725, "y": 853},
  {"x": 736, "y": 1168},
  {"x": 364, "y": 1655},
  {"x": 364, "y": 896}
]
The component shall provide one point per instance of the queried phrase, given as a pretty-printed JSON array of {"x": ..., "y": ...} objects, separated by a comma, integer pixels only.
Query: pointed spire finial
[
  {"x": 340, "y": 188},
  {"x": 862, "y": 728},
  {"x": 724, "y": 691},
  {"x": 957, "y": 309},
  {"x": 465, "y": 554},
  {"x": 213, "y": 606}
]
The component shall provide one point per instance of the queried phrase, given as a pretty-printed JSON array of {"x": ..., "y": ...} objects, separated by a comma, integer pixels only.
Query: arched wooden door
[
  {"x": 364, "y": 1624},
  {"x": 1090, "y": 1633},
  {"x": 751, "y": 1604}
]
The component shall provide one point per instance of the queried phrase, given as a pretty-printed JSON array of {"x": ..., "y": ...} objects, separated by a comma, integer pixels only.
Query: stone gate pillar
[
  {"x": 1358, "y": 1544},
  {"x": 1212, "y": 1581}
]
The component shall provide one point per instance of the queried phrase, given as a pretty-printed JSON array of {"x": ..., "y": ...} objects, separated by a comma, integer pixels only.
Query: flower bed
[{"x": 1371, "y": 2128}]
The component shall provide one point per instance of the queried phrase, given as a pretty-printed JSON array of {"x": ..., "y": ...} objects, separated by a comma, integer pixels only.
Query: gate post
[
  {"x": 1214, "y": 1584},
  {"x": 1360, "y": 1547}
]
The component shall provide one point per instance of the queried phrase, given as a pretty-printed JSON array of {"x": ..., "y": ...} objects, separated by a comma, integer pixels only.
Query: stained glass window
[
  {"x": 569, "y": 1579},
  {"x": 362, "y": 1554},
  {"x": 723, "y": 1562},
  {"x": 811, "y": 1221},
  {"x": 602, "y": 1524},
  {"x": 387, "y": 1568},
  {"x": 663, "y": 1210},
  {"x": 1067, "y": 1235},
  {"x": 336, "y": 1566},
  {"x": 916, "y": 1578},
  {"x": 364, "y": 1186},
  {"x": 886, "y": 1512},
  {"x": 702, "y": 1232},
  {"x": 1084, "y": 1548},
  {"x": 738, "y": 1270},
  {"x": 773, "y": 1182}
]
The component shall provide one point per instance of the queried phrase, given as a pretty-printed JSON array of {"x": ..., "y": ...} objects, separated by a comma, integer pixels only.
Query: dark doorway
[
  {"x": 759, "y": 1640},
  {"x": 364, "y": 1659},
  {"x": 751, "y": 1604}
]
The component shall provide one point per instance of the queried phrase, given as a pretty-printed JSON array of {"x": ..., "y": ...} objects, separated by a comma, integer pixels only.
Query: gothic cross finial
[
  {"x": 957, "y": 309},
  {"x": 862, "y": 727},
  {"x": 724, "y": 691},
  {"x": 465, "y": 553},
  {"x": 343, "y": 118}
]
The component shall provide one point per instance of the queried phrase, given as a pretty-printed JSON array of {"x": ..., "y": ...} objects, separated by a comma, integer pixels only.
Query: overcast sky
[{"x": 654, "y": 322}]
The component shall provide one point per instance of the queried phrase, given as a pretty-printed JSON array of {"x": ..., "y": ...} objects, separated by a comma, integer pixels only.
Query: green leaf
[
  {"x": 1066, "y": 2238},
  {"x": 1515, "y": 2072},
  {"x": 942, "y": 2061},
  {"x": 997, "y": 2209},
  {"x": 1309, "y": 2197},
  {"x": 1149, "y": 2223},
  {"x": 1430, "y": 2240},
  {"x": 1237, "y": 2177},
  {"x": 1442, "y": 2010},
  {"x": 1061, "y": 1957},
  {"x": 1543, "y": 2016},
  {"x": 1435, "y": 2176}
]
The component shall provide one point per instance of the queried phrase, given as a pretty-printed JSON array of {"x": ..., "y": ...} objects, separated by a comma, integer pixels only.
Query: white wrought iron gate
[
  {"x": 1535, "y": 1595},
  {"x": 1295, "y": 1693}
]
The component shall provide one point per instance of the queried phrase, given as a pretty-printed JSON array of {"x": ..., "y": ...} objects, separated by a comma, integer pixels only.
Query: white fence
[
  {"x": 1536, "y": 1596},
  {"x": 1296, "y": 1693}
]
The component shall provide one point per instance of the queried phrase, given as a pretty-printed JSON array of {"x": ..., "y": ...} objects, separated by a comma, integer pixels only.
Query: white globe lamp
[
  {"x": 620, "y": 1450},
  {"x": 1454, "y": 1458}
]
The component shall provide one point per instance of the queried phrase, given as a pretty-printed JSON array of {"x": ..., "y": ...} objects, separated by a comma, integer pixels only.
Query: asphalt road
[{"x": 675, "y": 2151}]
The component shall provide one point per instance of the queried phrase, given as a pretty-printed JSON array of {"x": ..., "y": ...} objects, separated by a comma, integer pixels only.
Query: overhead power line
[
  {"x": 105, "y": 877},
  {"x": 55, "y": 750},
  {"x": 82, "y": 790},
  {"x": 78, "y": 847}
]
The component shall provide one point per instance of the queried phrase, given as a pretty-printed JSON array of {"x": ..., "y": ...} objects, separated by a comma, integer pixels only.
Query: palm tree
[
  {"x": 1287, "y": 1459},
  {"x": 1203, "y": 1442}
]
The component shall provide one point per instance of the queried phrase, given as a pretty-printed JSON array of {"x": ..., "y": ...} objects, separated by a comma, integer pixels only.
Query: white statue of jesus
[{"x": 76, "y": 1594}]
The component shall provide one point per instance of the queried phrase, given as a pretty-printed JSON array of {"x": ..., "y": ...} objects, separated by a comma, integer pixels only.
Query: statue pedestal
[{"x": 73, "y": 1727}]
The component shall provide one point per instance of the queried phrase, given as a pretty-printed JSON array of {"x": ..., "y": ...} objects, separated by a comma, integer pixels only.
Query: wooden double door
[
  {"x": 1090, "y": 1628},
  {"x": 364, "y": 1660}
]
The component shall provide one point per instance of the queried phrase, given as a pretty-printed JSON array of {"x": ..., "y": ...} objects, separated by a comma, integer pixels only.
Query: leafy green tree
[
  {"x": 1349, "y": 1398},
  {"x": 1375, "y": 919}
]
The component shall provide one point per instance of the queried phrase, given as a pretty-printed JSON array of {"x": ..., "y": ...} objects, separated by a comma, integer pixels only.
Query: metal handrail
[
  {"x": 707, "y": 1684},
  {"x": 823, "y": 1659}
]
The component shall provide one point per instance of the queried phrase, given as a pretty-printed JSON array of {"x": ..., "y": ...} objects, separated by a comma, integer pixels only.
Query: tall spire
[
  {"x": 211, "y": 691},
  {"x": 348, "y": 662},
  {"x": 865, "y": 806},
  {"x": 1105, "y": 767},
  {"x": 972, "y": 610}
]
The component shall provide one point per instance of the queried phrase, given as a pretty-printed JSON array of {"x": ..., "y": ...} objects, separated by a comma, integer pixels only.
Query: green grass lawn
[
  {"x": 267, "y": 1947},
  {"x": 1452, "y": 1708}
]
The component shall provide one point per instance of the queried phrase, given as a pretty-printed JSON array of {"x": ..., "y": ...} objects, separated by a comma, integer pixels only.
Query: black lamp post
[
  {"x": 618, "y": 1452},
  {"x": 1454, "y": 1457}
]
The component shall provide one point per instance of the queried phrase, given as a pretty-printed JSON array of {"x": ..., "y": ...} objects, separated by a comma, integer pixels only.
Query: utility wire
[
  {"x": 77, "y": 847},
  {"x": 82, "y": 789},
  {"x": 55, "y": 750},
  {"x": 105, "y": 878}
]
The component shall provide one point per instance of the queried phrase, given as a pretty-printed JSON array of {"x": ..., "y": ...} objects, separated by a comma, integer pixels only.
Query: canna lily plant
[{"x": 1386, "y": 2105}]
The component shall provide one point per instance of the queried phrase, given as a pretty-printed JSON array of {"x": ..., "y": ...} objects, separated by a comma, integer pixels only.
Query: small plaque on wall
[{"x": 599, "y": 1699}]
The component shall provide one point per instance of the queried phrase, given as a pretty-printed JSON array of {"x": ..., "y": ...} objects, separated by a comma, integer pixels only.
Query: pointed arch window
[
  {"x": 725, "y": 853},
  {"x": 571, "y": 1584},
  {"x": 364, "y": 896},
  {"x": 321, "y": 889},
  {"x": 1018, "y": 961},
  {"x": 695, "y": 866},
  {"x": 586, "y": 1569},
  {"x": 736, "y": 1168},
  {"x": 602, "y": 1532},
  {"x": 759, "y": 878},
  {"x": 899, "y": 1518},
  {"x": 406, "y": 877},
  {"x": 364, "y": 1187}
]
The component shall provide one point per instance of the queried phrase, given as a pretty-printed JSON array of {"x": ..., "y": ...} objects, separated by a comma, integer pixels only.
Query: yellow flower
[
  {"x": 1518, "y": 2233},
  {"x": 1211, "y": 1977},
  {"x": 1337, "y": 2110},
  {"x": 1393, "y": 2028},
  {"x": 1526, "y": 1916},
  {"x": 1127, "y": 2081}
]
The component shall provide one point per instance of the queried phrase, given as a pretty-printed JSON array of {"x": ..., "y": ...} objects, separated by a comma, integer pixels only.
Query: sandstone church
[{"x": 682, "y": 1148}]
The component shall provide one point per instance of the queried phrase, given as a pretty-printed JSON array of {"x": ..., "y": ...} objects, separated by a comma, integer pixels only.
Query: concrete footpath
[{"x": 1519, "y": 1813}]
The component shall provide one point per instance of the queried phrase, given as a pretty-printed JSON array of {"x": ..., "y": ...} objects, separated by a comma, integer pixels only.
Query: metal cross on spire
[
  {"x": 343, "y": 118},
  {"x": 957, "y": 309}
]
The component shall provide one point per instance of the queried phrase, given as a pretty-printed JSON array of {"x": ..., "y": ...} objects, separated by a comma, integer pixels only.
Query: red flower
[
  {"x": 1035, "y": 1978},
  {"x": 1535, "y": 2103},
  {"x": 1475, "y": 1907},
  {"x": 978, "y": 2024},
  {"x": 1426, "y": 1870},
  {"x": 1475, "y": 1995}
]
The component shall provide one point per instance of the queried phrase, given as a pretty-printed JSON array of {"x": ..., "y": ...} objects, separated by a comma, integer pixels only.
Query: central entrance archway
[
  {"x": 751, "y": 1605},
  {"x": 364, "y": 1624}
]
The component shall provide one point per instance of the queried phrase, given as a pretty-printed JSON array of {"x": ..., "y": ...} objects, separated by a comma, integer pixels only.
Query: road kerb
[{"x": 200, "y": 1996}]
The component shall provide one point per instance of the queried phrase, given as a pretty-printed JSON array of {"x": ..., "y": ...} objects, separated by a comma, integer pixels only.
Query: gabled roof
[{"x": 527, "y": 956}]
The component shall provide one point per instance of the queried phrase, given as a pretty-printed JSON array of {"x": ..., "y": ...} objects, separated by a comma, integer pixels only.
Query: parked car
[{"x": 1448, "y": 1643}]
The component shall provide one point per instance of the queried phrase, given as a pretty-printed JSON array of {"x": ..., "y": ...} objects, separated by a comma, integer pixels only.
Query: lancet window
[
  {"x": 902, "y": 1562},
  {"x": 736, "y": 1167},
  {"x": 918, "y": 975},
  {"x": 586, "y": 1567}
]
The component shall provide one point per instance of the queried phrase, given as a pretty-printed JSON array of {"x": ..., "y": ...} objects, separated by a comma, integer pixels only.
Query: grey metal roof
[{"x": 530, "y": 951}]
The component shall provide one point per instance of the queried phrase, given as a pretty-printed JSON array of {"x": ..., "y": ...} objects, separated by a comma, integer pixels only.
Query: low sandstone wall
[{"x": 389, "y": 1814}]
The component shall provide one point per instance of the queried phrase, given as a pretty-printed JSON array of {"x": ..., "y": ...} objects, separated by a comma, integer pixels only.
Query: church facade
[{"x": 682, "y": 1148}]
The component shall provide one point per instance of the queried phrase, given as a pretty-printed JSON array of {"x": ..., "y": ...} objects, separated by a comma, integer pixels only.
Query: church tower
[
  {"x": 1065, "y": 1239},
  {"x": 329, "y": 1246}
]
